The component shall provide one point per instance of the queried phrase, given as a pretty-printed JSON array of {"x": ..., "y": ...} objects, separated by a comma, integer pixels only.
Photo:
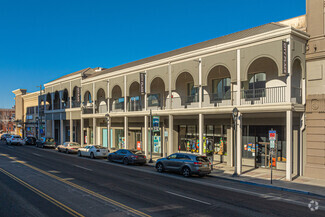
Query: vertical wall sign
[
  {"x": 284, "y": 57},
  {"x": 142, "y": 83}
]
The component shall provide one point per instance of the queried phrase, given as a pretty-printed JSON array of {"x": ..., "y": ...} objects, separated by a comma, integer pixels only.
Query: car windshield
[
  {"x": 49, "y": 140},
  {"x": 98, "y": 147},
  {"x": 74, "y": 144},
  {"x": 202, "y": 159},
  {"x": 135, "y": 152}
]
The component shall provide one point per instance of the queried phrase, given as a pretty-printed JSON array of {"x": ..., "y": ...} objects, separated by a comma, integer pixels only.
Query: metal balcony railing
[
  {"x": 117, "y": 105},
  {"x": 135, "y": 103},
  {"x": 263, "y": 95},
  {"x": 87, "y": 108}
]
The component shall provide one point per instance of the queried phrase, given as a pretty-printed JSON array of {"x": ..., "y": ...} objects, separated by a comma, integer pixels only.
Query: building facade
[
  {"x": 272, "y": 74},
  {"x": 28, "y": 122},
  {"x": 7, "y": 117}
]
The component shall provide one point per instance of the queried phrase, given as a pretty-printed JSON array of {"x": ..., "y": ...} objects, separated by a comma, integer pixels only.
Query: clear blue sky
[{"x": 43, "y": 40}]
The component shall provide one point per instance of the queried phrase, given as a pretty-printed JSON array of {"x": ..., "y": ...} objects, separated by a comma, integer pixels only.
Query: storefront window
[
  {"x": 188, "y": 138},
  {"x": 119, "y": 139},
  {"x": 256, "y": 144}
]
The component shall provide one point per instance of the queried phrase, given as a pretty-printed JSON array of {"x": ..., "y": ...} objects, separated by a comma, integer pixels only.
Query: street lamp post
[
  {"x": 150, "y": 161},
  {"x": 235, "y": 116},
  {"x": 37, "y": 121},
  {"x": 108, "y": 131}
]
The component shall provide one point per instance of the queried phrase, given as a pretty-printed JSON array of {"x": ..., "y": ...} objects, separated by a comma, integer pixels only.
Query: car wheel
[
  {"x": 109, "y": 158},
  {"x": 160, "y": 167},
  {"x": 186, "y": 172},
  {"x": 126, "y": 161},
  {"x": 67, "y": 151},
  {"x": 79, "y": 153},
  {"x": 92, "y": 156}
]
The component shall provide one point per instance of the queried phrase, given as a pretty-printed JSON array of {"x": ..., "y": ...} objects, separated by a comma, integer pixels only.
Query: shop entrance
[
  {"x": 135, "y": 138},
  {"x": 262, "y": 158}
]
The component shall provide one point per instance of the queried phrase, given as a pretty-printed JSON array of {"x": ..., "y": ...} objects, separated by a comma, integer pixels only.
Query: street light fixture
[{"x": 234, "y": 117}]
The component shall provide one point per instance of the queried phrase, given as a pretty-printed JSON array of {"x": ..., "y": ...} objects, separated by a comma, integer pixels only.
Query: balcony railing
[
  {"x": 217, "y": 100},
  {"x": 117, "y": 105},
  {"x": 154, "y": 102},
  {"x": 263, "y": 95},
  {"x": 184, "y": 102},
  {"x": 101, "y": 107},
  {"x": 135, "y": 103},
  {"x": 66, "y": 105},
  {"x": 87, "y": 108},
  {"x": 57, "y": 106},
  {"x": 75, "y": 104}
]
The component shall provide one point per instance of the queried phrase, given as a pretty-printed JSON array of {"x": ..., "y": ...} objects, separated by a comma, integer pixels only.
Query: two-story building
[{"x": 192, "y": 92}]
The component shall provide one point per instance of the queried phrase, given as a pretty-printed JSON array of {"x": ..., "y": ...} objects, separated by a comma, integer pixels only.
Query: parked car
[
  {"x": 127, "y": 156},
  {"x": 93, "y": 151},
  {"x": 186, "y": 164},
  {"x": 14, "y": 140},
  {"x": 5, "y": 136},
  {"x": 29, "y": 140},
  {"x": 45, "y": 143},
  {"x": 69, "y": 147}
]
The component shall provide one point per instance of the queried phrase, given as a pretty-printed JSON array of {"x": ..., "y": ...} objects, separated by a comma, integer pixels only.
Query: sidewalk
[{"x": 261, "y": 177}]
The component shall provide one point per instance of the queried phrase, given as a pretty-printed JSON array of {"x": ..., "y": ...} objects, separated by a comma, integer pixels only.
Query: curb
[{"x": 263, "y": 185}]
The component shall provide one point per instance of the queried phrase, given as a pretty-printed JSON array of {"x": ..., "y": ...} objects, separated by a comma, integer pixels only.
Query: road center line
[
  {"x": 83, "y": 167},
  {"x": 190, "y": 198}
]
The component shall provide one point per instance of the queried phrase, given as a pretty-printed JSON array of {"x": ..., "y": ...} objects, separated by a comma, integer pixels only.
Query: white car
[
  {"x": 93, "y": 151},
  {"x": 15, "y": 140},
  {"x": 69, "y": 147}
]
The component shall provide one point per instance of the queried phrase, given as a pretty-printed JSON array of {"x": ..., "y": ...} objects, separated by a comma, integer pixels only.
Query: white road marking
[
  {"x": 83, "y": 167},
  {"x": 37, "y": 154},
  {"x": 190, "y": 198},
  {"x": 10, "y": 147}
]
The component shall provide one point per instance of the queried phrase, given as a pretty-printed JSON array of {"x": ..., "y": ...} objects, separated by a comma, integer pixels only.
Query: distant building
[{"x": 7, "y": 117}]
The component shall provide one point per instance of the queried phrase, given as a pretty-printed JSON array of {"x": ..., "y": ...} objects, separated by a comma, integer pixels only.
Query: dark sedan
[
  {"x": 30, "y": 140},
  {"x": 46, "y": 143},
  {"x": 127, "y": 156}
]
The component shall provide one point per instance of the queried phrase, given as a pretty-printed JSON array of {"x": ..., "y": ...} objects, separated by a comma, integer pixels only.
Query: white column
[
  {"x": 60, "y": 99},
  {"x": 94, "y": 131},
  {"x": 145, "y": 95},
  {"x": 82, "y": 131},
  {"x": 170, "y": 135},
  {"x": 126, "y": 131},
  {"x": 70, "y": 94},
  {"x": 289, "y": 146},
  {"x": 71, "y": 128},
  {"x": 61, "y": 129},
  {"x": 201, "y": 126},
  {"x": 53, "y": 127},
  {"x": 200, "y": 84},
  {"x": 108, "y": 98},
  {"x": 238, "y": 79},
  {"x": 125, "y": 97},
  {"x": 109, "y": 134},
  {"x": 93, "y": 99},
  {"x": 230, "y": 153},
  {"x": 301, "y": 144},
  {"x": 239, "y": 143},
  {"x": 146, "y": 135},
  {"x": 170, "y": 84},
  {"x": 288, "y": 89}
]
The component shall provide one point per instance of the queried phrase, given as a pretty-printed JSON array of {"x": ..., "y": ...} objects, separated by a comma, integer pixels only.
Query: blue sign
[{"x": 155, "y": 123}]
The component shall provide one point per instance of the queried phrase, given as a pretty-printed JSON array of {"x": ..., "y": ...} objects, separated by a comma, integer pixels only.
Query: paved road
[{"x": 38, "y": 182}]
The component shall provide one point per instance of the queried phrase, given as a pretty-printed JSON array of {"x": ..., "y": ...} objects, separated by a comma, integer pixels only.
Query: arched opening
[
  {"x": 187, "y": 92},
  {"x": 296, "y": 82},
  {"x": 56, "y": 100},
  {"x": 101, "y": 101},
  {"x": 65, "y": 99},
  {"x": 87, "y": 99},
  {"x": 117, "y": 102},
  {"x": 219, "y": 84},
  {"x": 157, "y": 96},
  {"x": 263, "y": 84},
  {"x": 48, "y": 102},
  {"x": 135, "y": 102},
  {"x": 76, "y": 97}
]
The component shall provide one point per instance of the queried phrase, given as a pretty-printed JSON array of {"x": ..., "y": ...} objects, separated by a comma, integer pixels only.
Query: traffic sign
[{"x": 272, "y": 135}]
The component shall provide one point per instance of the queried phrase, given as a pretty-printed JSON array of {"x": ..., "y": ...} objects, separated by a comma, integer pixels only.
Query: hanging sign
[
  {"x": 284, "y": 57},
  {"x": 155, "y": 123},
  {"x": 142, "y": 83}
]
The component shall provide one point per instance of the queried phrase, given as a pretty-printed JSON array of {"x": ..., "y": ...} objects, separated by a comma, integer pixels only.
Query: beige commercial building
[
  {"x": 272, "y": 74},
  {"x": 27, "y": 113}
]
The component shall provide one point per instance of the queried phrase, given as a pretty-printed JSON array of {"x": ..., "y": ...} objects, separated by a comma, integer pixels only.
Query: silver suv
[{"x": 186, "y": 164}]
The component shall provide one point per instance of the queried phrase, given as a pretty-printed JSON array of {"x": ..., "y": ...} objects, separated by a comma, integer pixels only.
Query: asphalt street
[{"x": 41, "y": 182}]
